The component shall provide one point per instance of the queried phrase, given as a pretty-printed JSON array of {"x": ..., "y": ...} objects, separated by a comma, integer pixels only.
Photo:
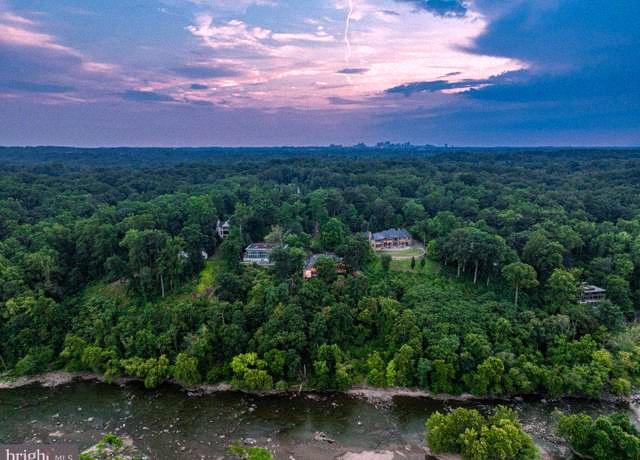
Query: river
[{"x": 170, "y": 423}]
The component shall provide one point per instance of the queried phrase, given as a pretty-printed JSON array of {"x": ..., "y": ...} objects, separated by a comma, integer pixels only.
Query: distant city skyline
[{"x": 318, "y": 72}]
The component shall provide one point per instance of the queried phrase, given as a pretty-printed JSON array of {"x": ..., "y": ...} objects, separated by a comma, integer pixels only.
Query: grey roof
[
  {"x": 391, "y": 233},
  {"x": 263, "y": 246},
  {"x": 591, "y": 289}
]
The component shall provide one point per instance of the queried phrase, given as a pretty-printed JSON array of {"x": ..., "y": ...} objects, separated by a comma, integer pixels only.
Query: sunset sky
[{"x": 310, "y": 72}]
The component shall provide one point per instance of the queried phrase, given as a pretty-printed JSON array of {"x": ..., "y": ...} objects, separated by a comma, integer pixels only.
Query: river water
[{"x": 169, "y": 423}]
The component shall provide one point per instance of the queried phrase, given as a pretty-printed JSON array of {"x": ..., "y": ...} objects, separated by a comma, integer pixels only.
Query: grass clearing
[
  {"x": 406, "y": 253},
  {"x": 208, "y": 275},
  {"x": 404, "y": 265}
]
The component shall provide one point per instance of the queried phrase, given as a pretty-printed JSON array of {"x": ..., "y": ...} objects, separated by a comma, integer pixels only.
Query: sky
[{"x": 316, "y": 72}]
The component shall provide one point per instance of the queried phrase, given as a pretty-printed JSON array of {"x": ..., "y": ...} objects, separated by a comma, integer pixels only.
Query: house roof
[
  {"x": 591, "y": 289},
  {"x": 391, "y": 234},
  {"x": 263, "y": 246}
]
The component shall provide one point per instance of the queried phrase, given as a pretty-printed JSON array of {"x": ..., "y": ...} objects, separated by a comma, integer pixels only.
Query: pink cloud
[{"x": 394, "y": 49}]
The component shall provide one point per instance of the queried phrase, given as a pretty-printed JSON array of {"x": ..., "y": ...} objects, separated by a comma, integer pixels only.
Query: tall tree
[{"x": 521, "y": 276}]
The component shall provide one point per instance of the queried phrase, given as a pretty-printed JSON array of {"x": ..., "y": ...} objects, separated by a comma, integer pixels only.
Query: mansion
[{"x": 393, "y": 238}]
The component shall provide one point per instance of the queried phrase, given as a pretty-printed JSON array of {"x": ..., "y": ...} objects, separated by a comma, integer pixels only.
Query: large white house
[{"x": 259, "y": 253}]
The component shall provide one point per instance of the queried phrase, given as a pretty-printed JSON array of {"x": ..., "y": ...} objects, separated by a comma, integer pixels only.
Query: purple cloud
[
  {"x": 145, "y": 96},
  {"x": 206, "y": 72},
  {"x": 31, "y": 87}
]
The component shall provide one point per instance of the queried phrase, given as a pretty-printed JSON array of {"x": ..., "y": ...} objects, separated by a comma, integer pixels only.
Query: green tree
[
  {"x": 376, "y": 370},
  {"x": 467, "y": 432},
  {"x": 288, "y": 262},
  {"x": 413, "y": 211},
  {"x": 401, "y": 369},
  {"x": 521, "y": 276},
  {"x": 562, "y": 289},
  {"x": 356, "y": 253},
  {"x": 442, "y": 377},
  {"x": 276, "y": 235},
  {"x": 231, "y": 251},
  {"x": 185, "y": 370},
  {"x": 152, "y": 371},
  {"x": 326, "y": 268},
  {"x": 249, "y": 372},
  {"x": 542, "y": 253},
  {"x": 444, "y": 431},
  {"x": 331, "y": 368},
  {"x": 385, "y": 262},
  {"x": 333, "y": 234},
  {"x": 487, "y": 380},
  {"x": 603, "y": 438}
]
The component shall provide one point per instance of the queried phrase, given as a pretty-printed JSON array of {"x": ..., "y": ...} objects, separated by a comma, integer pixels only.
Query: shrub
[
  {"x": 604, "y": 438},
  {"x": 467, "y": 432}
]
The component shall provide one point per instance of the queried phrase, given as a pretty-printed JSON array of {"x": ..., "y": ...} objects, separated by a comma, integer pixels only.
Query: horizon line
[{"x": 325, "y": 146}]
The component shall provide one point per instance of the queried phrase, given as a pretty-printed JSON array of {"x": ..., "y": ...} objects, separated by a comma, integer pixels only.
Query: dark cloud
[
  {"x": 198, "y": 87},
  {"x": 200, "y": 103},
  {"x": 490, "y": 124},
  {"x": 426, "y": 87},
  {"x": 439, "y": 7},
  {"x": 31, "y": 63},
  {"x": 38, "y": 70},
  {"x": 586, "y": 84},
  {"x": 439, "y": 85},
  {"x": 569, "y": 32},
  {"x": 353, "y": 71},
  {"x": 577, "y": 51},
  {"x": 31, "y": 87},
  {"x": 193, "y": 71},
  {"x": 145, "y": 96},
  {"x": 579, "y": 86},
  {"x": 47, "y": 71}
]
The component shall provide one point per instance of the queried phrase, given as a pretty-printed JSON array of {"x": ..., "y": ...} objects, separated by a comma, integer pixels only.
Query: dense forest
[{"x": 110, "y": 263}]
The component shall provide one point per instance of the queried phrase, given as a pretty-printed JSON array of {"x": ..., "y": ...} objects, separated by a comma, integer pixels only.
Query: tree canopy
[{"x": 110, "y": 262}]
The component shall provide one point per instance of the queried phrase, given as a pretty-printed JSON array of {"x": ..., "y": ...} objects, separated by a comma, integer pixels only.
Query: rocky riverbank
[
  {"x": 372, "y": 394},
  {"x": 114, "y": 448}
]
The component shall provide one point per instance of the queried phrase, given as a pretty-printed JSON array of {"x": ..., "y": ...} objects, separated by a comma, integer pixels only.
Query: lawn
[
  {"x": 412, "y": 252},
  {"x": 431, "y": 266},
  {"x": 208, "y": 275}
]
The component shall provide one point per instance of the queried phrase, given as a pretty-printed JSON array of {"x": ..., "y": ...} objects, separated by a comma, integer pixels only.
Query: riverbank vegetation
[
  {"x": 112, "y": 447},
  {"x": 110, "y": 262},
  {"x": 476, "y": 437},
  {"x": 249, "y": 453},
  {"x": 602, "y": 438}
]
